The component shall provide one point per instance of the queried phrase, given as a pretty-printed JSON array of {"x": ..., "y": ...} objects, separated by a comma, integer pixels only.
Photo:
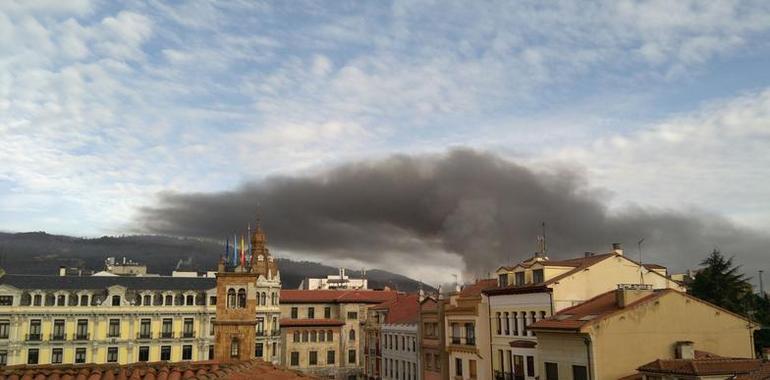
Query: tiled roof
[
  {"x": 255, "y": 369},
  {"x": 476, "y": 288},
  {"x": 704, "y": 367},
  {"x": 287, "y": 322},
  {"x": 29, "y": 281},
  {"x": 336, "y": 296},
  {"x": 403, "y": 309},
  {"x": 597, "y": 308}
]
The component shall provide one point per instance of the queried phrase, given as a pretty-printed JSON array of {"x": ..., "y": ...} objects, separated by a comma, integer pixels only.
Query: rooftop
[
  {"x": 31, "y": 281},
  {"x": 706, "y": 364},
  {"x": 255, "y": 369},
  {"x": 336, "y": 296},
  {"x": 403, "y": 309}
]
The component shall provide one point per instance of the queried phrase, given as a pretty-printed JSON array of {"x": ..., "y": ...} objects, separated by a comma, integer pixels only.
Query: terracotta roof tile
[
  {"x": 403, "y": 309},
  {"x": 704, "y": 366}
]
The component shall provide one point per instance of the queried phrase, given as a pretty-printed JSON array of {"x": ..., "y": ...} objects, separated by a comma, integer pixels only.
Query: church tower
[{"x": 246, "y": 325}]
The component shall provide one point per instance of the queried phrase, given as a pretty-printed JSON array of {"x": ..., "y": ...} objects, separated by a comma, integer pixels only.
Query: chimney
[
  {"x": 685, "y": 350},
  {"x": 627, "y": 294},
  {"x": 617, "y": 248},
  {"x": 62, "y": 270}
]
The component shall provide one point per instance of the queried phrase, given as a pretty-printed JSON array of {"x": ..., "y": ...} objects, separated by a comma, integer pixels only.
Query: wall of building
[
  {"x": 566, "y": 351},
  {"x": 400, "y": 350},
  {"x": 479, "y": 351}
]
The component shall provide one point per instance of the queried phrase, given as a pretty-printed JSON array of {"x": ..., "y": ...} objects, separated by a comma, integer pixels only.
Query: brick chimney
[
  {"x": 617, "y": 248},
  {"x": 627, "y": 294}
]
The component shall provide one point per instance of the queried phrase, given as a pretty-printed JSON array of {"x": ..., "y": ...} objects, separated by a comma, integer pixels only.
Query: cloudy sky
[{"x": 108, "y": 110}]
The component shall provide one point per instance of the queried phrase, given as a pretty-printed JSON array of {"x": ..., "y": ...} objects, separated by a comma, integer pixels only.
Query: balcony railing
[
  {"x": 144, "y": 335},
  {"x": 81, "y": 336},
  {"x": 188, "y": 334},
  {"x": 275, "y": 333},
  {"x": 57, "y": 337},
  {"x": 464, "y": 341},
  {"x": 33, "y": 337},
  {"x": 113, "y": 335},
  {"x": 261, "y": 333},
  {"x": 167, "y": 335}
]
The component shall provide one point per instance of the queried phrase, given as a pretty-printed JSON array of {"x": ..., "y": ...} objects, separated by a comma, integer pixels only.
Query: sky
[{"x": 110, "y": 109}]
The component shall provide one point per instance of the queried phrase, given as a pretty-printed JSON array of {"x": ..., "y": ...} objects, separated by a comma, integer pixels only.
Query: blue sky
[{"x": 105, "y": 104}]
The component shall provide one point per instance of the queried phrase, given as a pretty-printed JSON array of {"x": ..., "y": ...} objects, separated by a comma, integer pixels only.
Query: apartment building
[
  {"x": 307, "y": 313},
  {"x": 391, "y": 331},
  {"x": 432, "y": 339},
  {"x": 538, "y": 287},
  {"x": 466, "y": 318},
  {"x": 614, "y": 333}
]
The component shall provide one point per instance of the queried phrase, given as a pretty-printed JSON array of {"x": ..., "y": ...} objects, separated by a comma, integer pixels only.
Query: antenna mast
[{"x": 641, "y": 270}]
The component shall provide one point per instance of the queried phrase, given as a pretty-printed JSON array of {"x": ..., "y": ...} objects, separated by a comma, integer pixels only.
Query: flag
[
  {"x": 227, "y": 250},
  {"x": 235, "y": 250},
  {"x": 249, "y": 259},
  {"x": 243, "y": 253}
]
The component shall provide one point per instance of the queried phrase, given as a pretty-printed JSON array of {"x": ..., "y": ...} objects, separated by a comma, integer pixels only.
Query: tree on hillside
[{"x": 721, "y": 283}]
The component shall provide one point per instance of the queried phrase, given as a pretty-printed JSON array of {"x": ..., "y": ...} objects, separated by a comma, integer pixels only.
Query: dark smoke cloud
[{"x": 476, "y": 205}]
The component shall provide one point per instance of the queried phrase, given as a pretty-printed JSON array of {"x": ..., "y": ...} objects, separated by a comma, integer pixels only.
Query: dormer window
[
  {"x": 519, "y": 278},
  {"x": 537, "y": 276},
  {"x": 37, "y": 300},
  {"x": 502, "y": 280},
  {"x": 115, "y": 300}
]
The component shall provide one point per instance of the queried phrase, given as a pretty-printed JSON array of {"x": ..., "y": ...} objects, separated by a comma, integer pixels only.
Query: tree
[{"x": 721, "y": 283}]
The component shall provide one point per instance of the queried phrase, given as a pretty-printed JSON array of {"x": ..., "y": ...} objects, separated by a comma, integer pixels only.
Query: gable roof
[
  {"x": 337, "y": 296},
  {"x": 404, "y": 309},
  {"x": 32, "y": 281},
  {"x": 705, "y": 366}
]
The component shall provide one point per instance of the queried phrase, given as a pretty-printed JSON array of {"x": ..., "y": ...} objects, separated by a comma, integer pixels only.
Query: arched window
[
  {"x": 235, "y": 348},
  {"x": 329, "y": 336},
  {"x": 352, "y": 335},
  {"x": 313, "y": 336},
  {"x": 272, "y": 298},
  {"x": 60, "y": 300},
  {"x": 321, "y": 336},
  {"x": 231, "y": 299},
  {"x": 304, "y": 336},
  {"x": 190, "y": 300},
  {"x": 296, "y": 336},
  {"x": 264, "y": 298},
  {"x": 147, "y": 300},
  {"x": 242, "y": 298},
  {"x": 38, "y": 300},
  {"x": 84, "y": 300},
  {"x": 169, "y": 300}
]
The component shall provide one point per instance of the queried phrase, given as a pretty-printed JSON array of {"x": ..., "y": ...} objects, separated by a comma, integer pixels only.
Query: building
[
  {"x": 127, "y": 319},
  {"x": 340, "y": 281},
  {"x": 538, "y": 287},
  {"x": 124, "y": 267},
  {"x": 466, "y": 325},
  {"x": 612, "y": 334},
  {"x": 119, "y": 319},
  {"x": 321, "y": 330},
  {"x": 247, "y": 307},
  {"x": 253, "y": 369},
  {"x": 703, "y": 366},
  {"x": 391, "y": 350},
  {"x": 434, "y": 362}
]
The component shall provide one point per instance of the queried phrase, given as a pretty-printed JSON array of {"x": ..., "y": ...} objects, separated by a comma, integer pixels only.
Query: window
[
  {"x": 166, "y": 330},
  {"x": 327, "y": 312},
  {"x": 352, "y": 356},
  {"x": 112, "y": 355},
  {"x": 295, "y": 358},
  {"x": 352, "y": 315},
  {"x": 329, "y": 336},
  {"x": 189, "y": 300},
  {"x": 114, "y": 328},
  {"x": 519, "y": 278},
  {"x": 515, "y": 323},
  {"x": 3, "y": 357},
  {"x": 352, "y": 335},
  {"x": 330, "y": 357},
  {"x": 187, "y": 328},
  {"x": 579, "y": 372},
  {"x": 498, "y": 323},
  {"x": 34, "y": 329},
  {"x": 530, "y": 366},
  {"x": 32, "y": 355},
  {"x": 537, "y": 276},
  {"x": 169, "y": 301},
  {"x": 144, "y": 353},
  {"x": 458, "y": 367},
  {"x": 211, "y": 326},
  {"x": 507, "y": 323},
  {"x": 551, "y": 371},
  {"x": 5, "y": 326},
  {"x": 532, "y": 317},
  {"x": 241, "y": 298},
  {"x": 264, "y": 298},
  {"x": 294, "y": 313},
  {"x": 502, "y": 280},
  {"x": 80, "y": 355},
  {"x": 81, "y": 333},
  {"x": 213, "y": 300},
  {"x": 235, "y": 348},
  {"x": 272, "y": 298},
  {"x": 61, "y": 300},
  {"x": 231, "y": 299},
  {"x": 58, "y": 329},
  {"x": 84, "y": 300},
  {"x": 115, "y": 300},
  {"x": 472, "y": 368},
  {"x": 313, "y": 358},
  {"x": 144, "y": 329},
  {"x": 258, "y": 350},
  {"x": 313, "y": 336},
  {"x": 37, "y": 300},
  {"x": 322, "y": 336},
  {"x": 305, "y": 336},
  {"x": 187, "y": 352},
  {"x": 165, "y": 353},
  {"x": 6, "y": 300},
  {"x": 211, "y": 352},
  {"x": 147, "y": 300},
  {"x": 470, "y": 334},
  {"x": 56, "y": 356},
  {"x": 274, "y": 350},
  {"x": 296, "y": 336},
  {"x": 310, "y": 313}
]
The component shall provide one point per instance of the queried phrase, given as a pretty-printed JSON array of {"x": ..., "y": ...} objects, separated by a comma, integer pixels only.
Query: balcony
[
  {"x": 33, "y": 337},
  {"x": 144, "y": 335},
  {"x": 167, "y": 335},
  {"x": 188, "y": 334},
  {"x": 261, "y": 333},
  {"x": 461, "y": 341},
  {"x": 500, "y": 375},
  {"x": 57, "y": 337},
  {"x": 81, "y": 336},
  {"x": 113, "y": 335}
]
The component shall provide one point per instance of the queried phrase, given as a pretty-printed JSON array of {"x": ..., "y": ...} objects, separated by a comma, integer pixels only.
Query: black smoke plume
[{"x": 414, "y": 210}]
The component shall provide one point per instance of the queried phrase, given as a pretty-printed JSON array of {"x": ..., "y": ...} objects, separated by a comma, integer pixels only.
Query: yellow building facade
[
  {"x": 611, "y": 335},
  {"x": 466, "y": 318}
]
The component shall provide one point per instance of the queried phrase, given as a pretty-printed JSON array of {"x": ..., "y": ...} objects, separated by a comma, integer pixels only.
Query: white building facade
[{"x": 400, "y": 352}]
